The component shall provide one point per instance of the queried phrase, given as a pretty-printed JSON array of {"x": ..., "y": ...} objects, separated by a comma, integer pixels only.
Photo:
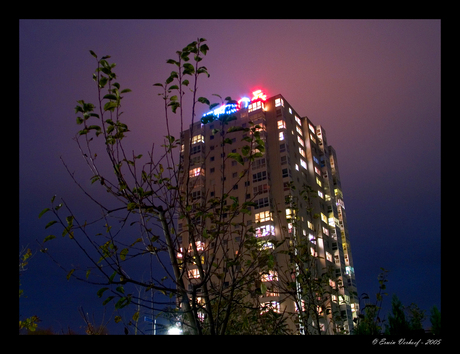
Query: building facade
[{"x": 294, "y": 188}]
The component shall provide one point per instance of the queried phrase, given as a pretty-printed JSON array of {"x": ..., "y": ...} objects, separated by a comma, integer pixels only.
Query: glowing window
[
  {"x": 328, "y": 256},
  {"x": 263, "y": 216},
  {"x": 281, "y": 136},
  {"x": 301, "y": 152},
  {"x": 271, "y": 276},
  {"x": 198, "y": 139},
  {"x": 255, "y": 106},
  {"x": 297, "y": 119},
  {"x": 271, "y": 305},
  {"x": 318, "y": 182},
  {"x": 196, "y": 172},
  {"x": 318, "y": 172},
  {"x": 265, "y": 230},
  {"x": 325, "y": 231},
  {"x": 281, "y": 124},
  {"x": 279, "y": 102},
  {"x": 321, "y": 194},
  {"x": 303, "y": 163},
  {"x": 193, "y": 273},
  {"x": 300, "y": 140},
  {"x": 323, "y": 218},
  {"x": 312, "y": 128},
  {"x": 297, "y": 128}
]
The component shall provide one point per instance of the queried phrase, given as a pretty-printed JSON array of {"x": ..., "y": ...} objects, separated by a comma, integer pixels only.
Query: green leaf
[
  {"x": 245, "y": 150},
  {"x": 106, "y": 301},
  {"x": 110, "y": 97},
  {"x": 203, "y": 100},
  {"x": 188, "y": 69},
  {"x": 158, "y": 84},
  {"x": 110, "y": 106},
  {"x": 50, "y": 223},
  {"x": 136, "y": 316},
  {"x": 69, "y": 220},
  {"x": 70, "y": 273},
  {"x": 117, "y": 319},
  {"x": 120, "y": 289},
  {"x": 93, "y": 54},
  {"x": 43, "y": 212},
  {"x": 204, "y": 49},
  {"x": 263, "y": 288},
  {"x": 49, "y": 238},
  {"x": 237, "y": 157},
  {"x": 101, "y": 291},
  {"x": 123, "y": 253},
  {"x": 131, "y": 206}
]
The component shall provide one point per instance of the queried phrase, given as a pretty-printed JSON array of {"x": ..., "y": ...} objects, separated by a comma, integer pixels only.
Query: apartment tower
[{"x": 297, "y": 160}]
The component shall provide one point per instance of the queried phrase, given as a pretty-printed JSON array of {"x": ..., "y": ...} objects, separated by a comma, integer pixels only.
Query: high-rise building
[{"x": 296, "y": 194}]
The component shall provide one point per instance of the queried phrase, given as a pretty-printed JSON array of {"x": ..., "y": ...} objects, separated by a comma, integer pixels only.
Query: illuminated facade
[{"x": 296, "y": 155}]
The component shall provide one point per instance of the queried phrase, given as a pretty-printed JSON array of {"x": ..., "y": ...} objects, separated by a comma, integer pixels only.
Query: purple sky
[{"x": 373, "y": 85}]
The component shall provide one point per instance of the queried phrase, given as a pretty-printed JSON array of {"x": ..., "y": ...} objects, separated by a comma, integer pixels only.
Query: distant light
[
  {"x": 244, "y": 102},
  {"x": 174, "y": 330}
]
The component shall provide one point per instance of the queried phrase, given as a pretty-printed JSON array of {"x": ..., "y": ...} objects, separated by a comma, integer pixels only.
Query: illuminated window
[
  {"x": 332, "y": 283},
  {"x": 255, "y": 106},
  {"x": 196, "y": 172},
  {"x": 297, "y": 119},
  {"x": 296, "y": 167},
  {"x": 312, "y": 128},
  {"x": 301, "y": 152},
  {"x": 281, "y": 124},
  {"x": 198, "y": 139},
  {"x": 299, "y": 130},
  {"x": 271, "y": 305},
  {"x": 310, "y": 225},
  {"x": 271, "y": 276},
  {"x": 193, "y": 274},
  {"x": 332, "y": 222},
  {"x": 325, "y": 231},
  {"x": 281, "y": 136},
  {"x": 289, "y": 213},
  {"x": 318, "y": 182},
  {"x": 263, "y": 216},
  {"x": 323, "y": 218},
  {"x": 320, "y": 194},
  {"x": 318, "y": 172},
  {"x": 279, "y": 102},
  {"x": 303, "y": 163},
  {"x": 300, "y": 140},
  {"x": 290, "y": 110},
  {"x": 312, "y": 138},
  {"x": 265, "y": 230}
]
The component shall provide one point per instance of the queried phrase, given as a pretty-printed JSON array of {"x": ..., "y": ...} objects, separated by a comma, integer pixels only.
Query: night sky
[{"x": 373, "y": 85}]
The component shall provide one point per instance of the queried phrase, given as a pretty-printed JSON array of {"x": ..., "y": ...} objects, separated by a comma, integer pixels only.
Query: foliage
[
  {"x": 435, "y": 319},
  {"x": 145, "y": 191},
  {"x": 30, "y": 323},
  {"x": 397, "y": 323},
  {"x": 368, "y": 321}
]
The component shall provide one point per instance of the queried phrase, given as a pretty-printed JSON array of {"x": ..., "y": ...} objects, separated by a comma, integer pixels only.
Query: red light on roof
[{"x": 258, "y": 95}]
